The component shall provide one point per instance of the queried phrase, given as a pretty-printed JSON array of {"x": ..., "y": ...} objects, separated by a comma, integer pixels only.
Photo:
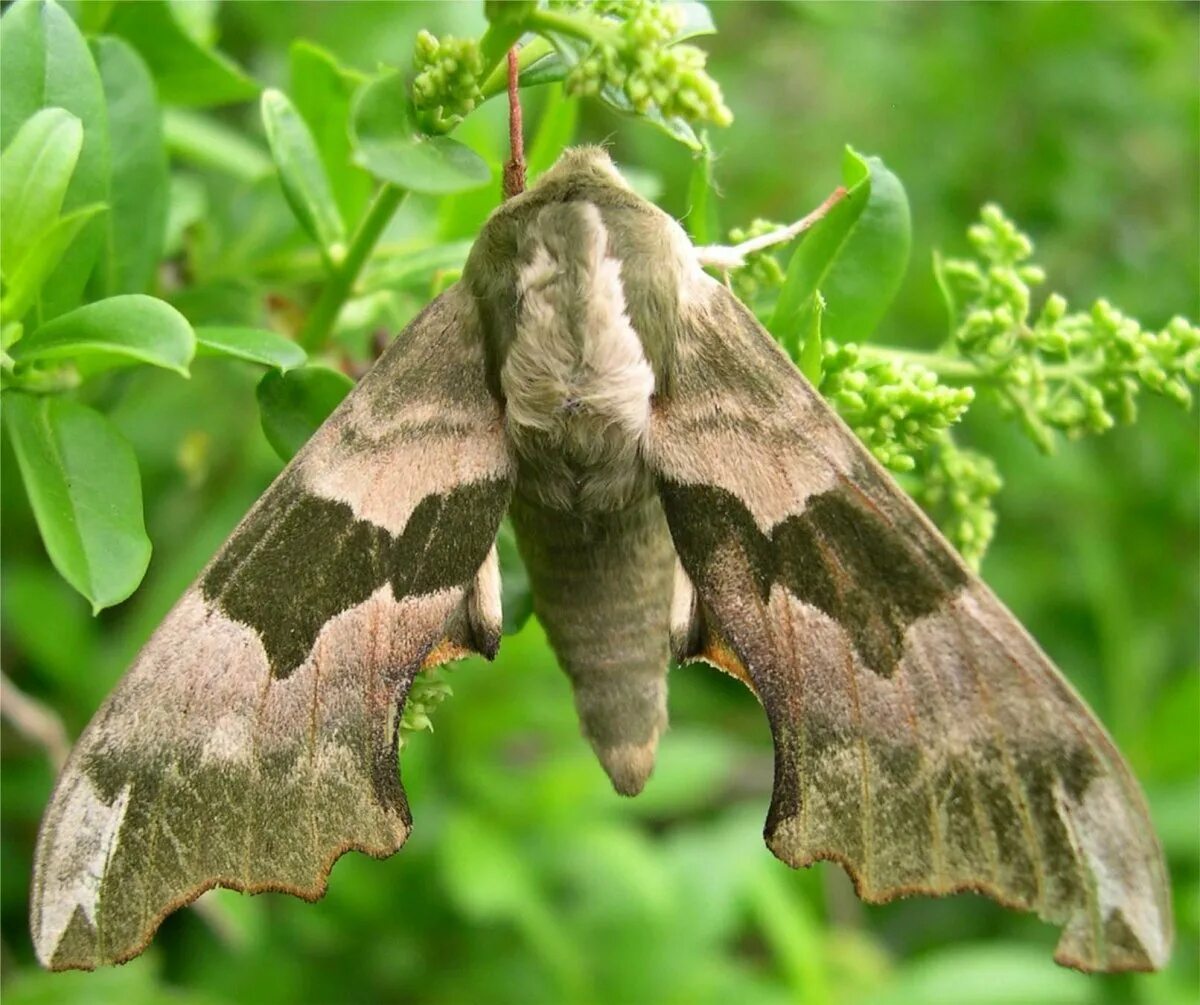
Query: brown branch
[
  {"x": 35, "y": 721},
  {"x": 514, "y": 170}
]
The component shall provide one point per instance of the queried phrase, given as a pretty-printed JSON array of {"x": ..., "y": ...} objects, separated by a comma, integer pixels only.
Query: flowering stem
[
  {"x": 585, "y": 28},
  {"x": 337, "y": 290},
  {"x": 957, "y": 368},
  {"x": 514, "y": 170},
  {"x": 952, "y": 367}
]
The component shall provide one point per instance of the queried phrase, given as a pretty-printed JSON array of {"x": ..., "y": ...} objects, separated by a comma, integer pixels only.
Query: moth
[{"x": 678, "y": 491}]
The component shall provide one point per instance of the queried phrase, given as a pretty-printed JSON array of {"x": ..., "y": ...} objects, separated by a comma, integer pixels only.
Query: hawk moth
[{"x": 678, "y": 490}]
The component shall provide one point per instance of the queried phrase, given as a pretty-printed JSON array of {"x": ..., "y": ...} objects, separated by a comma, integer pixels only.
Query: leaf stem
[
  {"x": 36, "y": 722},
  {"x": 324, "y": 313},
  {"x": 493, "y": 47},
  {"x": 528, "y": 54},
  {"x": 585, "y": 27},
  {"x": 734, "y": 256}
]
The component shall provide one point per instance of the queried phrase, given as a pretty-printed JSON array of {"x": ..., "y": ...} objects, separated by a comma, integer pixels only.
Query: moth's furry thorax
[{"x": 593, "y": 275}]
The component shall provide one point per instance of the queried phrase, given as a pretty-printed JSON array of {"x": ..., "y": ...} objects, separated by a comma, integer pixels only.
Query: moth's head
[{"x": 584, "y": 169}]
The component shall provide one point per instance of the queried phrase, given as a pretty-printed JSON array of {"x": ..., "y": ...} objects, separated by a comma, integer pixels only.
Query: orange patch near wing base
[
  {"x": 446, "y": 651},
  {"x": 716, "y": 653}
]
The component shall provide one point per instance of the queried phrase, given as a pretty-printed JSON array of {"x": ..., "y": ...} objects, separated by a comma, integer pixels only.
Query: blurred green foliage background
[{"x": 526, "y": 879}]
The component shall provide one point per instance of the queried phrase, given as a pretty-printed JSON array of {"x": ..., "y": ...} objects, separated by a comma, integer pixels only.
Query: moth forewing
[
  {"x": 923, "y": 741},
  {"x": 253, "y": 741}
]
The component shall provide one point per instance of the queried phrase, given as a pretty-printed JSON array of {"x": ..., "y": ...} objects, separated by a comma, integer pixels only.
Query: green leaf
[
  {"x": 186, "y": 71},
  {"x": 550, "y": 69},
  {"x": 516, "y": 595},
  {"x": 855, "y": 256},
  {"x": 112, "y": 332},
  {"x": 35, "y": 170},
  {"x": 322, "y": 90},
  {"x": 703, "y": 221},
  {"x": 83, "y": 485},
  {"x": 414, "y": 269},
  {"x": 22, "y": 288},
  {"x": 206, "y": 142},
  {"x": 293, "y": 405},
  {"x": 390, "y": 145},
  {"x": 808, "y": 353},
  {"x": 697, "y": 20},
  {"x": 999, "y": 973},
  {"x": 138, "y": 183},
  {"x": 255, "y": 345},
  {"x": 187, "y": 205},
  {"x": 555, "y": 132},
  {"x": 814, "y": 258},
  {"x": 508, "y": 12},
  {"x": 45, "y": 63},
  {"x": 302, "y": 175}
]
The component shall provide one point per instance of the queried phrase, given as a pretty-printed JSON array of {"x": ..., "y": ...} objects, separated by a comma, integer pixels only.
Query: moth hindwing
[{"x": 677, "y": 488}]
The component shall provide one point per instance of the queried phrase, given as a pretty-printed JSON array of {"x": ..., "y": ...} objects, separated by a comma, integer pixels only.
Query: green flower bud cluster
[
  {"x": 898, "y": 409},
  {"x": 427, "y": 692},
  {"x": 957, "y": 488},
  {"x": 1077, "y": 373},
  {"x": 636, "y": 56},
  {"x": 761, "y": 272},
  {"x": 447, "y": 83}
]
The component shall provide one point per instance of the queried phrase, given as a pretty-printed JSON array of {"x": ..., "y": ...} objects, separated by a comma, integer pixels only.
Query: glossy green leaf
[
  {"x": 293, "y": 405},
  {"x": 555, "y": 132},
  {"x": 697, "y": 20},
  {"x": 862, "y": 284},
  {"x": 390, "y": 145},
  {"x": 206, "y": 142},
  {"x": 550, "y": 69},
  {"x": 114, "y": 332},
  {"x": 814, "y": 258},
  {"x": 508, "y": 12},
  {"x": 45, "y": 63},
  {"x": 187, "y": 205},
  {"x": 138, "y": 187},
  {"x": 21, "y": 289},
  {"x": 322, "y": 90},
  {"x": 414, "y": 269},
  {"x": 999, "y": 973},
  {"x": 186, "y": 71},
  {"x": 703, "y": 218},
  {"x": 93, "y": 15},
  {"x": 255, "y": 345},
  {"x": 83, "y": 486},
  {"x": 302, "y": 174},
  {"x": 855, "y": 256},
  {"x": 516, "y": 594},
  {"x": 35, "y": 170},
  {"x": 808, "y": 351}
]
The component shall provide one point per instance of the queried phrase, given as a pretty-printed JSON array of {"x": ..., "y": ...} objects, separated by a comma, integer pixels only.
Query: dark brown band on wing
[
  {"x": 312, "y": 559},
  {"x": 839, "y": 554}
]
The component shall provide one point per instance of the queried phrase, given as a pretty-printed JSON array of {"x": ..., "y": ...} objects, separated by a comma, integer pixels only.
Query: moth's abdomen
[{"x": 602, "y": 586}]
